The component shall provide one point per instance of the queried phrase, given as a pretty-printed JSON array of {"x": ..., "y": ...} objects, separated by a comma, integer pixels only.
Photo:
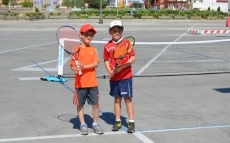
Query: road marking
[
  {"x": 143, "y": 138},
  {"x": 29, "y": 68},
  {"x": 58, "y": 136},
  {"x": 138, "y": 134},
  {"x": 27, "y": 47},
  {"x": 185, "y": 128},
  {"x": 29, "y": 78}
]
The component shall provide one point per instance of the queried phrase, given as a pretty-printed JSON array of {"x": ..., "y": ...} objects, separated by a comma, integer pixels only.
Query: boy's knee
[
  {"x": 128, "y": 100},
  {"x": 95, "y": 106}
]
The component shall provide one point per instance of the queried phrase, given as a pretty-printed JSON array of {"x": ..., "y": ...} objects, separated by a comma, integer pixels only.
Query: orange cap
[{"x": 87, "y": 27}]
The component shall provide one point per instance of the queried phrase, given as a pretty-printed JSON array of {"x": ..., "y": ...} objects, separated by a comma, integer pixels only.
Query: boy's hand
[
  {"x": 76, "y": 69},
  {"x": 80, "y": 65},
  {"x": 111, "y": 73},
  {"x": 117, "y": 70}
]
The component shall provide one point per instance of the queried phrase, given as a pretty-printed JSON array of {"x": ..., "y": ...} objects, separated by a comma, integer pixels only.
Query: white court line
[
  {"x": 26, "y": 47},
  {"x": 36, "y": 69},
  {"x": 182, "y": 129},
  {"x": 29, "y": 78},
  {"x": 12, "y": 33},
  {"x": 158, "y": 55},
  {"x": 57, "y": 136},
  {"x": 47, "y": 62},
  {"x": 142, "y": 137},
  {"x": 137, "y": 134}
]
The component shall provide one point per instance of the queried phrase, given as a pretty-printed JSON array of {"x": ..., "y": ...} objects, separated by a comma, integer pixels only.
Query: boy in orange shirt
[
  {"x": 121, "y": 78},
  {"x": 86, "y": 84}
]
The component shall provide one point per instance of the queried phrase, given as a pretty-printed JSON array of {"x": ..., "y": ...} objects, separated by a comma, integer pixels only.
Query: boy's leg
[
  {"x": 95, "y": 113},
  {"x": 115, "y": 92},
  {"x": 81, "y": 97},
  {"x": 129, "y": 107},
  {"x": 130, "y": 111},
  {"x": 117, "y": 107},
  {"x": 117, "y": 111},
  {"x": 93, "y": 96},
  {"x": 80, "y": 111}
]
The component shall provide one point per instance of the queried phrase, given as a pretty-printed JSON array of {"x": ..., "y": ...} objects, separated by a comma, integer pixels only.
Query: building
[{"x": 200, "y": 4}]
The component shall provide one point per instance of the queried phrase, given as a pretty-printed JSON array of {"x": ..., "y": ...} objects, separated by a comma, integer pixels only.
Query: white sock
[
  {"x": 118, "y": 119},
  {"x": 83, "y": 124},
  {"x": 94, "y": 124},
  {"x": 131, "y": 120}
]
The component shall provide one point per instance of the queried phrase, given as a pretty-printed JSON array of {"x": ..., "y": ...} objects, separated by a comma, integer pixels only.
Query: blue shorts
[{"x": 121, "y": 88}]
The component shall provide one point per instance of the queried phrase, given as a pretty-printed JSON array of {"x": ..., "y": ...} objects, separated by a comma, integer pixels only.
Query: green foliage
[
  {"x": 143, "y": 12},
  {"x": 13, "y": 2},
  {"x": 27, "y": 3},
  {"x": 155, "y": 15},
  {"x": 96, "y": 4},
  {"x": 74, "y": 13},
  {"x": 182, "y": 13},
  {"x": 137, "y": 15},
  {"x": 11, "y": 14},
  {"x": 29, "y": 14},
  {"x": 72, "y": 3},
  {"x": 218, "y": 9},
  {"x": 36, "y": 9},
  {"x": 5, "y": 2},
  {"x": 208, "y": 8}
]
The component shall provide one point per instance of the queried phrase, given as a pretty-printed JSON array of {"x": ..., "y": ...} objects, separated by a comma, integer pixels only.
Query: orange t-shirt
[{"x": 87, "y": 55}]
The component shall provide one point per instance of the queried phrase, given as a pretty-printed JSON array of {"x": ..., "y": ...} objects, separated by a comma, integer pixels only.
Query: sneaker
[
  {"x": 97, "y": 129},
  {"x": 84, "y": 129},
  {"x": 131, "y": 127},
  {"x": 116, "y": 126}
]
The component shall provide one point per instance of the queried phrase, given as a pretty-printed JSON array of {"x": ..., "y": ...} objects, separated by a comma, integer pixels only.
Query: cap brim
[{"x": 94, "y": 31}]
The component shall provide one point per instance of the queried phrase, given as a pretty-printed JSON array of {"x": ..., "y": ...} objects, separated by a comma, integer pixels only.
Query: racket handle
[{"x": 79, "y": 72}]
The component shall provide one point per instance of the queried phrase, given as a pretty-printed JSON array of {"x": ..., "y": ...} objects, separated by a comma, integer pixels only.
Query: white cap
[{"x": 116, "y": 23}]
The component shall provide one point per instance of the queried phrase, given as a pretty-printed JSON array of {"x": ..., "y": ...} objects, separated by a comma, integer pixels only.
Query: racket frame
[
  {"x": 61, "y": 42},
  {"x": 132, "y": 42}
]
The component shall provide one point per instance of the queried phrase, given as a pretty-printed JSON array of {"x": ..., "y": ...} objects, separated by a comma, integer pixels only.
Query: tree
[
  {"x": 13, "y": 2},
  {"x": 27, "y": 3},
  {"x": 5, "y": 2},
  {"x": 218, "y": 9},
  {"x": 72, "y": 3},
  {"x": 96, "y": 3}
]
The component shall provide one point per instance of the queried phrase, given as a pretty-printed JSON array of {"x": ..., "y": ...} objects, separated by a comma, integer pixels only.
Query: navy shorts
[
  {"x": 90, "y": 94},
  {"x": 121, "y": 88}
]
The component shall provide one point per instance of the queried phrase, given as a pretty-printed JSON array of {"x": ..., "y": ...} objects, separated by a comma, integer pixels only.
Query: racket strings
[
  {"x": 122, "y": 49},
  {"x": 68, "y": 38}
]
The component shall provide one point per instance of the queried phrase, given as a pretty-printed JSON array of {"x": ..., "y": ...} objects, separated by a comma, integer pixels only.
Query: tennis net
[{"x": 170, "y": 58}]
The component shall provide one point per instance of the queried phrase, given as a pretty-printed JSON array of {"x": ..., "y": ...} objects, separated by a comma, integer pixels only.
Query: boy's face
[
  {"x": 116, "y": 32},
  {"x": 87, "y": 37}
]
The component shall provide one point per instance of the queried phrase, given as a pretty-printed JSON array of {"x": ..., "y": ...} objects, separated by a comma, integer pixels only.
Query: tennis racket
[
  {"x": 69, "y": 39},
  {"x": 122, "y": 49}
]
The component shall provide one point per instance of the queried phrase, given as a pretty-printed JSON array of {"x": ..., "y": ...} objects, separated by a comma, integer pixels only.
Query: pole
[
  {"x": 117, "y": 7},
  {"x": 212, "y": 5},
  {"x": 74, "y": 4},
  {"x": 100, "y": 19}
]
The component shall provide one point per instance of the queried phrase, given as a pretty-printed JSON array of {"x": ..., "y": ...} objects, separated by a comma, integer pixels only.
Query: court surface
[{"x": 168, "y": 109}]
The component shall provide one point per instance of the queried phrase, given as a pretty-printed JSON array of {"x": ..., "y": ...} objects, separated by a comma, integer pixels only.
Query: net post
[{"x": 60, "y": 59}]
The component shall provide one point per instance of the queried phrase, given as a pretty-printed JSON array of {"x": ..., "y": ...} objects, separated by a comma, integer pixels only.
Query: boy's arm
[
  {"x": 92, "y": 65},
  {"x": 128, "y": 63},
  {"x": 89, "y": 66},
  {"x": 108, "y": 68},
  {"x": 73, "y": 65}
]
